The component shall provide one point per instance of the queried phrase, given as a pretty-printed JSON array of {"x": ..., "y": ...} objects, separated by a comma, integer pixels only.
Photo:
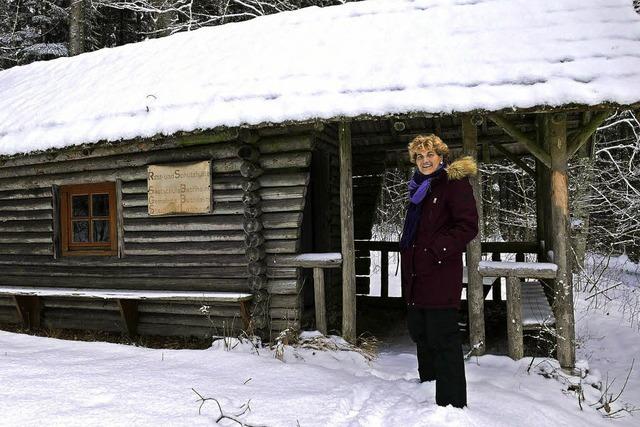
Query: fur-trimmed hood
[{"x": 463, "y": 167}]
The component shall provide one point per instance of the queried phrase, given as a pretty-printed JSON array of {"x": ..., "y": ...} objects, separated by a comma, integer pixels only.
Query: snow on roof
[{"x": 374, "y": 57}]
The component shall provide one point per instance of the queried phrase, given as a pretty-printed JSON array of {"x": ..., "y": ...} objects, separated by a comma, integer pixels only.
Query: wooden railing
[
  {"x": 497, "y": 250},
  {"x": 317, "y": 261}
]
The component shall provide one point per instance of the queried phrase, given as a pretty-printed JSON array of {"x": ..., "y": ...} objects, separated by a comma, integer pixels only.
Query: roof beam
[
  {"x": 586, "y": 131},
  {"x": 514, "y": 158},
  {"x": 519, "y": 136}
]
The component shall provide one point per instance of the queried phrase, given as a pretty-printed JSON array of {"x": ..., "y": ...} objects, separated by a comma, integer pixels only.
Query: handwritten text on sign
[{"x": 183, "y": 188}]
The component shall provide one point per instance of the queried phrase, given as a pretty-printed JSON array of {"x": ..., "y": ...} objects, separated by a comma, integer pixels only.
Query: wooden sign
[{"x": 183, "y": 188}]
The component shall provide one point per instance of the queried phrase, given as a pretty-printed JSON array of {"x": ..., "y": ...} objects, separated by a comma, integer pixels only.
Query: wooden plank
[
  {"x": 28, "y": 226},
  {"x": 26, "y": 215},
  {"x": 28, "y": 193},
  {"x": 475, "y": 288},
  {"x": 540, "y": 270},
  {"x": 514, "y": 319},
  {"x": 42, "y": 203},
  {"x": 347, "y": 235},
  {"x": 586, "y": 132},
  {"x": 280, "y": 144},
  {"x": 191, "y": 283},
  {"x": 186, "y": 223}
]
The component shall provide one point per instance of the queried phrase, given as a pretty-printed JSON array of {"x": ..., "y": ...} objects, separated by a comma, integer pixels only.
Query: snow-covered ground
[{"x": 54, "y": 382}]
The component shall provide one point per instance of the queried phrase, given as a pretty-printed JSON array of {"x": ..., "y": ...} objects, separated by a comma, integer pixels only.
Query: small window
[{"x": 88, "y": 219}]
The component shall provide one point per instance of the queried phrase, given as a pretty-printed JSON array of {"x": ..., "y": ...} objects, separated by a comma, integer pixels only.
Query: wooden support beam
[
  {"x": 586, "y": 131},
  {"x": 508, "y": 154},
  {"x": 245, "y": 314},
  {"x": 384, "y": 274},
  {"x": 29, "y": 308},
  {"x": 514, "y": 319},
  {"x": 347, "y": 234},
  {"x": 556, "y": 135},
  {"x": 129, "y": 314},
  {"x": 475, "y": 290},
  {"x": 318, "y": 292},
  {"x": 519, "y": 136}
]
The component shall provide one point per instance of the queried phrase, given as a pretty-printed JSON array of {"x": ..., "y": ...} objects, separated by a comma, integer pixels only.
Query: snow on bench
[{"x": 28, "y": 305}]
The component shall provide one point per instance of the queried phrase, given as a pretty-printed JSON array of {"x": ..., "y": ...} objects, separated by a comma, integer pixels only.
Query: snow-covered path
[{"x": 55, "y": 382}]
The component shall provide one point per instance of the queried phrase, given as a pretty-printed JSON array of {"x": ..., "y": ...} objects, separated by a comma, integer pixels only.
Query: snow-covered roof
[{"x": 375, "y": 57}]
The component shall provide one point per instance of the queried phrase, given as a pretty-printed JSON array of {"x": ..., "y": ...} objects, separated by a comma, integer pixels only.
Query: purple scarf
[{"x": 419, "y": 187}]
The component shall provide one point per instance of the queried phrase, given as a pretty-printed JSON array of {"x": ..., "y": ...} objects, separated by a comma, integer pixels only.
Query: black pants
[{"x": 437, "y": 337}]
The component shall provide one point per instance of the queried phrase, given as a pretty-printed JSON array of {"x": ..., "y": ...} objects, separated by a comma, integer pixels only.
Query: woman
[{"x": 441, "y": 219}]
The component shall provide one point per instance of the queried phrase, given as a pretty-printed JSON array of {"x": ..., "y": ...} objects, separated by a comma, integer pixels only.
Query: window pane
[
  {"x": 100, "y": 231},
  {"x": 80, "y": 206},
  {"x": 100, "y": 205},
  {"x": 80, "y": 231}
]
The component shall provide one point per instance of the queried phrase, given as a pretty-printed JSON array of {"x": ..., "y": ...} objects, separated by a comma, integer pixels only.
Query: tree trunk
[{"x": 77, "y": 20}]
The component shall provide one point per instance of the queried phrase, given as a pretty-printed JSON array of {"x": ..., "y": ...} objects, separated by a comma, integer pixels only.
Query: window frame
[{"x": 70, "y": 248}]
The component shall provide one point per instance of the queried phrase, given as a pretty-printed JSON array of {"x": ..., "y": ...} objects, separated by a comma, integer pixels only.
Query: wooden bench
[
  {"x": 29, "y": 306},
  {"x": 517, "y": 312},
  {"x": 317, "y": 261}
]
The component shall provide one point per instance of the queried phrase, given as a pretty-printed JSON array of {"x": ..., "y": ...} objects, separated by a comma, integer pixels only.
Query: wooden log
[
  {"x": 257, "y": 268},
  {"x": 250, "y": 170},
  {"x": 285, "y": 301},
  {"x": 255, "y": 254},
  {"x": 138, "y": 261},
  {"x": 26, "y": 215},
  {"x": 186, "y": 223},
  {"x": 283, "y": 287},
  {"x": 250, "y": 185},
  {"x": 212, "y": 310},
  {"x": 256, "y": 282},
  {"x": 250, "y": 199},
  {"x": 347, "y": 236},
  {"x": 42, "y": 203},
  {"x": 27, "y": 248},
  {"x": 34, "y": 226},
  {"x": 184, "y": 248},
  {"x": 186, "y": 236},
  {"x": 284, "y": 144},
  {"x": 319, "y": 298},
  {"x": 252, "y": 225},
  {"x": 281, "y": 246},
  {"x": 284, "y": 179},
  {"x": 118, "y": 273},
  {"x": 142, "y": 283},
  {"x": 253, "y": 240},
  {"x": 475, "y": 288},
  {"x": 252, "y": 211},
  {"x": 497, "y": 284},
  {"x": 7, "y": 237},
  {"x": 248, "y": 153},
  {"x": 563, "y": 303},
  {"x": 514, "y": 319},
  {"x": 29, "y": 193},
  {"x": 216, "y": 152}
]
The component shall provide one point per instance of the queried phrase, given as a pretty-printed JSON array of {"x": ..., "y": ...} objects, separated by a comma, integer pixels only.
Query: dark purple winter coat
[{"x": 432, "y": 266}]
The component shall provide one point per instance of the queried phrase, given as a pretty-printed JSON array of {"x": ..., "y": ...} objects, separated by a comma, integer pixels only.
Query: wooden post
[
  {"x": 556, "y": 133},
  {"x": 475, "y": 291},
  {"x": 384, "y": 274},
  {"x": 318, "y": 291},
  {"x": 129, "y": 314},
  {"x": 29, "y": 308},
  {"x": 347, "y": 236},
  {"x": 514, "y": 318},
  {"x": 497, "y": 284}
]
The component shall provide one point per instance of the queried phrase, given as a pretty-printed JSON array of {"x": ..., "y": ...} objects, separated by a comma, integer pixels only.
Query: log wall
[{"x": 199, "y": 252}]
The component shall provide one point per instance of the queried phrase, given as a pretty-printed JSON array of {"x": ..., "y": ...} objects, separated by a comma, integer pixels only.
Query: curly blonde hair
[{"x": 427, "y": 142}]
